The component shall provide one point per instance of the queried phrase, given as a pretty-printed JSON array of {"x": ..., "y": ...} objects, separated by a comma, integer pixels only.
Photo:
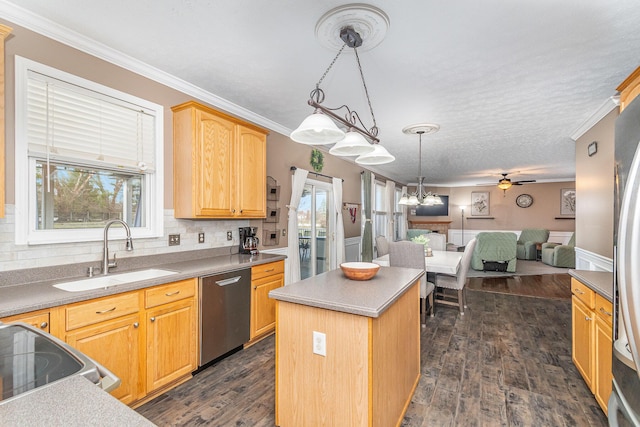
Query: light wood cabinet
[
  {"x": 219, "y": 165},
  {"x": 38, "y": 319},
  {"x": 264, "y": 278},
  {"x": 592, "y": 339},
  {"x": 171, "y": 333},
  {"x": 4, "y": 33},
  {"x": 115, "y": 344},
  {"x": 629, "y": 89}
]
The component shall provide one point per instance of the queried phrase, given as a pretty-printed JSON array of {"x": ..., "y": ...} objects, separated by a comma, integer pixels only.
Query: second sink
[{"x": 112, "y": 280}]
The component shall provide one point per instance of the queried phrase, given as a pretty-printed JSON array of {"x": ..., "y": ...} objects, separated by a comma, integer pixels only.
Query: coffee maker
[{"x": 248, "y": 240}]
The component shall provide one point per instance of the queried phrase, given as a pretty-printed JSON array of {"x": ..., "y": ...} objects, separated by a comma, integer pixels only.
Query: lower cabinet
[
  {"x": 147, "y": 337},
  {"x": 592, "y": 340},
  {"x": 264, "y": 278},
  {"x": 38, "y": 319}
]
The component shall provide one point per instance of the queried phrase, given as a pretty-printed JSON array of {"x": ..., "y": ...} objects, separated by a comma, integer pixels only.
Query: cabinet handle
[
  {"x": 168, "y": 294},
  {"x": 105, "y": 311},
  {"x": 255, "y": 288},
  {"x": 135, "y": 325},
  {"x": 241, "y": 210},
  {"x": 233, "y": 211},
  {"x": 153, "y": 319},
  {"x": 43, "y": 325},
  {"x": 269, "y": 270},
  {"x": 579, "y": 292},
  {"x": 605, "y": 312},
  {"x": 587, "y": 318}
]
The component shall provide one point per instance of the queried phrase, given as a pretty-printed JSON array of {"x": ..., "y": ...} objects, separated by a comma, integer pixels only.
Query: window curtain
[
  {"x": 339, "y": 233},
  {"x": 404, "y": 223},
  {"x": 298, "y": 180},
  {"x": 390, "y": 195},
  {"x": 367, "y": 236}
]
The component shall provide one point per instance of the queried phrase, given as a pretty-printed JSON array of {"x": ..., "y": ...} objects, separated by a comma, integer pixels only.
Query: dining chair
[
  {"x": 437, "y": 241},
  {"x": 456, "y": 282},
  {"x": 382, "y": 245},
  {"x": 411, "y": 255}
]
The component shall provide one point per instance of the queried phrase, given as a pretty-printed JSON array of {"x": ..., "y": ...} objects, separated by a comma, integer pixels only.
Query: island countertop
[{"x": 333, "y": 291}]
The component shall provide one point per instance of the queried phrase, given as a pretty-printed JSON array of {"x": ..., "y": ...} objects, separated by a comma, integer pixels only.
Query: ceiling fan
[{"x": 505, "y": 183}]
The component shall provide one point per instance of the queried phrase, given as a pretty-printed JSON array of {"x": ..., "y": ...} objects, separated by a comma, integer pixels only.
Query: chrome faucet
[{"x": 106, "y": 264}]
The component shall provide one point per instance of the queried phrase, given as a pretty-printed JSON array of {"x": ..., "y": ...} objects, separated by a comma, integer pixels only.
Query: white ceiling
[{"x": 509, "y": 82}]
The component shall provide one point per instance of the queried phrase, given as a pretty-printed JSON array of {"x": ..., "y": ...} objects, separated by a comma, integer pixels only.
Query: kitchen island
[{"x": 369, "y": 332}]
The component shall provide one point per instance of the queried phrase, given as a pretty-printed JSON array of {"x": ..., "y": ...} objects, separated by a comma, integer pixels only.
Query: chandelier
[
  {"x": 320, "y": 127},
  {"x": 420, "y": 197}
]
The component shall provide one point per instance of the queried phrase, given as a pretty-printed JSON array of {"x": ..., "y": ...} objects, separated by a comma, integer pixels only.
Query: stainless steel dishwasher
[{"x": 225, "y": 313}]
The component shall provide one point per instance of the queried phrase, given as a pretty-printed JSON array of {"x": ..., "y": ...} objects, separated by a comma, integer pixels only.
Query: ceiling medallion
[
  {"x": 421, "y": 129},
  {"x": 368, "y": 21}
]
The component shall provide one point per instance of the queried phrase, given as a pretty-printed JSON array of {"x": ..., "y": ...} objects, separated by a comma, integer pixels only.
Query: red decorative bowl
[{"x": 359, "y": 270}]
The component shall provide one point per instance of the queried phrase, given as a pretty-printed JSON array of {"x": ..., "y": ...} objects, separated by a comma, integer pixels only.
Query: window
[
  {"x": 398, "y": 213},
  {"x": 85, "y": 154},
  {"x": 379, "y": 210}
]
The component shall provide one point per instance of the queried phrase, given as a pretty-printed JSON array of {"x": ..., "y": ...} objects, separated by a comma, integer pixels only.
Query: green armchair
[
  {"x": 558, "y": 255},
  {"x": 497, "y": 247},
  {"x": 526, "y": 244},
  {"x": 415, "y": 232}
]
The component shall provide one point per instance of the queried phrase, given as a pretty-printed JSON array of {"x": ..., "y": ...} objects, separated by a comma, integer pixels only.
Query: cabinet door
[
  {"x": 39, "y": 319},
  {"x": 252, "y": 173},
  {"x": 602, "y": 362},
  {"x": 214, "y": 168},
  {"x": 171, "y": 342},
  {"x": 582, "y": 331},
  {"x": 263, "y": 313},
  {"x": 116, "y": 345}
]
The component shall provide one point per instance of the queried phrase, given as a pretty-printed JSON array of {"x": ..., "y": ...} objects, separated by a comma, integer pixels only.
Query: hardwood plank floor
[{"x": 506, "y": 362}]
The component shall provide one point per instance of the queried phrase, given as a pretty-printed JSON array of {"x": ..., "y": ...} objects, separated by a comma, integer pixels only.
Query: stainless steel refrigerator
[{"x": 624, "y": 403}]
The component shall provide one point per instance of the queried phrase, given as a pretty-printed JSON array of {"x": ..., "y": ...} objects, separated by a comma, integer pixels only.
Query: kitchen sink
[{"x": 112, "y": 280}]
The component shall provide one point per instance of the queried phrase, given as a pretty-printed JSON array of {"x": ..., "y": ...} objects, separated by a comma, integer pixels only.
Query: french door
[{"x": 316, "y": 225}]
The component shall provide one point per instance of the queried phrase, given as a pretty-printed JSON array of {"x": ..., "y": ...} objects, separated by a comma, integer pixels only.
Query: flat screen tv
[{"x": 435, "y": 210}]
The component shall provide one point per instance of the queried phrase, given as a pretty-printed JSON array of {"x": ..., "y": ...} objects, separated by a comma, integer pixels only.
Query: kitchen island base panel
[{"x": 369, "y": 374}]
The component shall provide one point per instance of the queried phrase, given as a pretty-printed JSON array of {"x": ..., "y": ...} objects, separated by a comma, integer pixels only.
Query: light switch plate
[{"x": 174, "y": 239}]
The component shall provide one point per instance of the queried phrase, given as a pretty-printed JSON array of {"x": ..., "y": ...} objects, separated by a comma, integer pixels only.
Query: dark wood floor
[{"x": 506, "y": 362}]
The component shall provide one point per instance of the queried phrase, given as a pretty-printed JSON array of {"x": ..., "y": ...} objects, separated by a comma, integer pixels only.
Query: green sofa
[
  {"x": 526, "y": 244},
  {"x": 559, "y": 255},
  {"x": 495, "y": 247}
]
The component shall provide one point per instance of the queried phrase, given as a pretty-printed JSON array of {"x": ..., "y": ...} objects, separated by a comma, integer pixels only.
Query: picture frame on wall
[
  {"x": 479, "y": 203},
  {"x": 568, "y": 201}
]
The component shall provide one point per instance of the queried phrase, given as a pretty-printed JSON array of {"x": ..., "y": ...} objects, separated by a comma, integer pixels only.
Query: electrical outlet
[
  {"x": 319, "y": 343},
  {"x": 200, "y": 237},
  {"x": 174, "y": 239},
  {"x": 284, "y": 232},
  {"x": 229, "y": 235}
]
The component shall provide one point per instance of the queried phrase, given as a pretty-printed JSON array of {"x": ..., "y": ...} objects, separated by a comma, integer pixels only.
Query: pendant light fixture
[
  {"x": 420, "y": 197},
  {"x": 320, "y": 127}
]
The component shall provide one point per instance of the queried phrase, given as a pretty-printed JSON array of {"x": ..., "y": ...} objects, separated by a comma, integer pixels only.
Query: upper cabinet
[
  {"x": 4, "y": 32},
  {"x": 219, "y": 165},
  {"x": 629, "y": 89}
]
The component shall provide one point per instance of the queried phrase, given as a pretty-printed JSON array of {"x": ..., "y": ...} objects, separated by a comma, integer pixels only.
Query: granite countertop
[
  {"x": 333, "y": 291},
  {"x": 22, "y": 297},
  {"x": 598, "y": 281},
  {"x": 73, "y": 401}
]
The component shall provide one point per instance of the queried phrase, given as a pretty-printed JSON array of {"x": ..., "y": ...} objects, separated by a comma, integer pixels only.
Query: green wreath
[{"x": 317, "y": 160}]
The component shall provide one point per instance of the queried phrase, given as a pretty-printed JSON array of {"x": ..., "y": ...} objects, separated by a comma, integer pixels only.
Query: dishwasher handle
[{"x": 229, "y": 281}]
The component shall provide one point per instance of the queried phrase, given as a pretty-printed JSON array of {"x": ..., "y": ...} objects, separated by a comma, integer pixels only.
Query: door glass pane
[
  {"x": 304, "y": 232},
  {"x": 322, "y": 232}
]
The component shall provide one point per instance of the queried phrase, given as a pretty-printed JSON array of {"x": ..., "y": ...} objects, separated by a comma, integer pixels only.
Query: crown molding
[
  {"x": 20, "y": 16},
  {"x": 607, "y": 106}
]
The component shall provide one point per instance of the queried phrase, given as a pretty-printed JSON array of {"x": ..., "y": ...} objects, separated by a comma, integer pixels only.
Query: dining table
[{"x": 446, "y": 262}]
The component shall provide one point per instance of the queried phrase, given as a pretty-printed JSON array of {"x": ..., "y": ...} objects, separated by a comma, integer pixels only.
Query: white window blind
[{"x": 73, "y": 124}]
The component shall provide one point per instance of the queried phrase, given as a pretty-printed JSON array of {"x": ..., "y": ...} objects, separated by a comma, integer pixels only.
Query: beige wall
[
  {"x": 594, "y": 190},
  {"x": 503, "y": 211}
]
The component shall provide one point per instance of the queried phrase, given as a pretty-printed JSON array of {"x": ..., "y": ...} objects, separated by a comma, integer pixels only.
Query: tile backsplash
[{"x": 15, "y": 257}]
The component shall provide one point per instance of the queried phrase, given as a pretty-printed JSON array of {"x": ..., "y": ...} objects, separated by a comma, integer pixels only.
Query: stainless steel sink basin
[{"x": 112, "y": 280}]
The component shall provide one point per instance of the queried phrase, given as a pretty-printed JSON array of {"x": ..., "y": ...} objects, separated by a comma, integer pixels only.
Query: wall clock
[{"x": 524, "y": 200}]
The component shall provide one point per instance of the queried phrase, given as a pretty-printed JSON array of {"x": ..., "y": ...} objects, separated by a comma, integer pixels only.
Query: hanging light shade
[
  {"x": 317, "y": 129},
  {"x": 404, "y": 200},
  {"x": 353, "y": 144},
  {"x": 379, "y": 156},
  {"x": 504, "y": 184},
  {"x": 432, "y": 200}
]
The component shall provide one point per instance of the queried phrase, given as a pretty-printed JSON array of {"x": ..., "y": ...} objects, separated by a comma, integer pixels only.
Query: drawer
[
  {"x": 604, "y": 308},
  {"x": 37, "y": 320},
  {"x": 102, "y": 309},
  {"x": 264, "y": 270},
  {"x": 170, "y": 292},
  {"x": 584, "y": 293}
]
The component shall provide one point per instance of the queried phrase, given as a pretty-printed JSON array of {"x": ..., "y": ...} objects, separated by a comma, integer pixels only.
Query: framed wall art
[
  {"x": 479, "y": 203},
  {"x": 568, "y": 201}
]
